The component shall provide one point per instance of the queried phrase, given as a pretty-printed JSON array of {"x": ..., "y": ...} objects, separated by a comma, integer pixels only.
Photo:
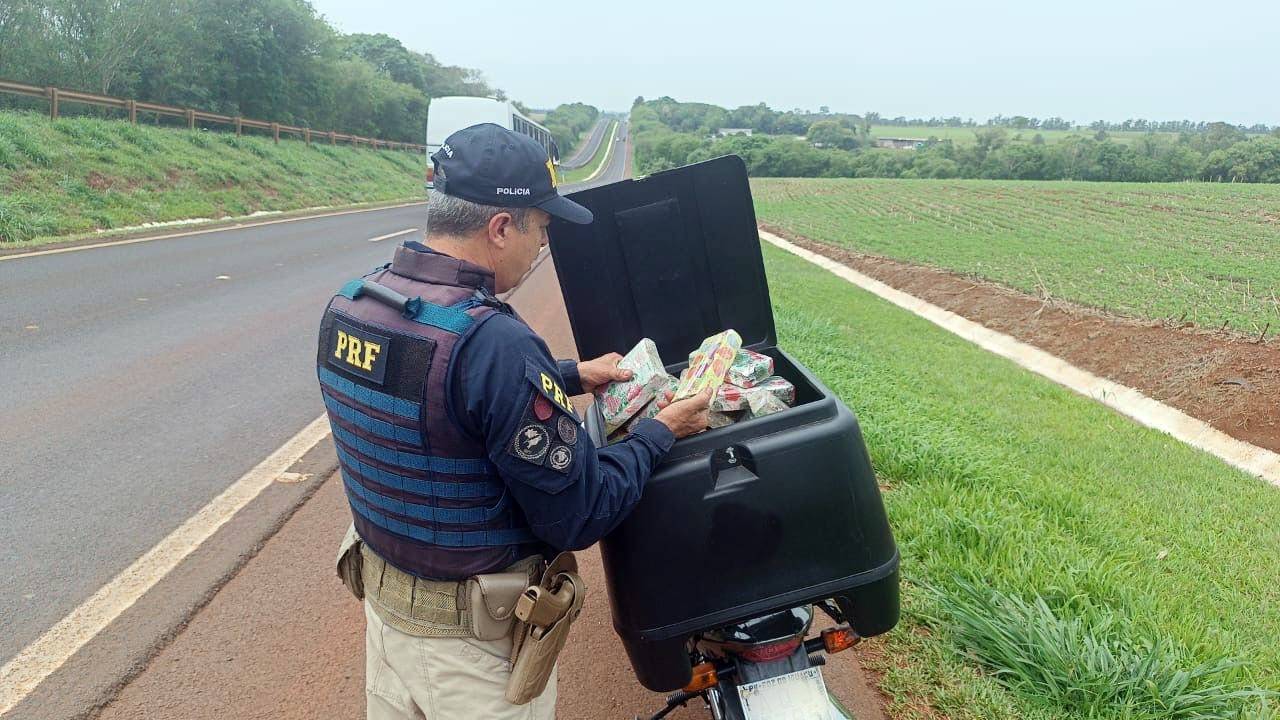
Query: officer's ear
[{"x": 500, "y": 225}]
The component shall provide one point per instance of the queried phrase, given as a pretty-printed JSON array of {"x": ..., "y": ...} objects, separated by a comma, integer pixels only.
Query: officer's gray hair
[{"x": 448, "y": 215}]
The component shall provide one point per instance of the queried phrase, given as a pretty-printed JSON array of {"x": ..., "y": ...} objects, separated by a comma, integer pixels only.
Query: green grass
[
  {"x": 1088, "y": 660},
  {"x": 78, "y": 175},
  {"x": 1206, "y": 251},
  {"x": 579, "y": 174},
  {"x": 999, "y": 480},
  {"x": 965, "y": 136}
]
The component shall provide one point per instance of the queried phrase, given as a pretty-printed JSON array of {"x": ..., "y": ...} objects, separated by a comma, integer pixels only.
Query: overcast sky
[{"x": 1083, "y": 60}]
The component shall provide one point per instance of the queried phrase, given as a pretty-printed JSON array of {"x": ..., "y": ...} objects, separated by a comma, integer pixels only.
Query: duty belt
[{"x": 421, "y": 607}]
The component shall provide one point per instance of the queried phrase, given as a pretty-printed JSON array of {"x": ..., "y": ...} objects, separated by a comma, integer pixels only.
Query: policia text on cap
[{"x": 464, "y": 463}]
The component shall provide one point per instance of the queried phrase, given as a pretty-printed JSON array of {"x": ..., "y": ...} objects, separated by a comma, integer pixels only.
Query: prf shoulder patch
[
  {"x": 545, "y": 384},
  {"x": 358, "y": 351}
]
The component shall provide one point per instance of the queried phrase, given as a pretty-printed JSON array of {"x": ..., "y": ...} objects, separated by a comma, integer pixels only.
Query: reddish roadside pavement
[{"x": 283, "y": 638}]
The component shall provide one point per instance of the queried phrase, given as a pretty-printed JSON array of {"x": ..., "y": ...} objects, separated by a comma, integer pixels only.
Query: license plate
[{"x": 795, "y": 696}]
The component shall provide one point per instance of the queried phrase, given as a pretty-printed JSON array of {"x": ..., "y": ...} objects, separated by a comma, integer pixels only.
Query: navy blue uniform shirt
[{"x": 571, "y": 492}]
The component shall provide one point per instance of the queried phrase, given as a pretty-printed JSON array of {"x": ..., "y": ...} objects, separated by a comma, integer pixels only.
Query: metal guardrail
[{"x": 57, "y": 96}]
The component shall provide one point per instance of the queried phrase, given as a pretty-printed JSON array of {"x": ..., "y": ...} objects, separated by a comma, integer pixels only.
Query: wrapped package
[
  {"x": 730, "y": 397},
  {"x": 709, "y": 364},
  {"x": 721, "y": 419},
  {"x": 761, "y": 402},
  {"x": 651, "y": 408},
  {"x": 620, "y": 400},
  {"x": 749, "y": 368}
]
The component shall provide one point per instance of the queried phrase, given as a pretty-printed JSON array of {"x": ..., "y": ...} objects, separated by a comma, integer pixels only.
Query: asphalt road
[
  {"x": 588, "y": 149},
  {"x": 139, "y": 381}
]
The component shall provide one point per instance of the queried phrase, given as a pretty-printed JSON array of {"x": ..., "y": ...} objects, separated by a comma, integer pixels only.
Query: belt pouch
[
  {"x": 491, "y": 599},
  {"x": 351, "y": 562}
]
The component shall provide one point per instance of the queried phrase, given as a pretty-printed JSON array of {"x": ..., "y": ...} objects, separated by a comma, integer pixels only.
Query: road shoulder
[
  {"x": 184, "y": 229},
  {"x": 124, "y": 649}
]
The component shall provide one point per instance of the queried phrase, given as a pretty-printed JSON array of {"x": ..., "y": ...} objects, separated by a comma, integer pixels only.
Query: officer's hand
[
  {"x": 594, "y": 374},
  {"x": 687, "y": 417}
]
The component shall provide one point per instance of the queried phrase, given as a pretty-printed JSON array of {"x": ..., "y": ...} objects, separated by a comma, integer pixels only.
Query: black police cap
[{"x": 491, "y": 165}]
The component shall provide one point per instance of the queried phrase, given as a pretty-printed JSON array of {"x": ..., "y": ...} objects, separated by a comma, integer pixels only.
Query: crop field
[
  {"x": 965, "y": 135},
  {"x": 79, "y": 175},
  {"x": 1188, "y": 252},
  {"x": 1059, "y": 560}
]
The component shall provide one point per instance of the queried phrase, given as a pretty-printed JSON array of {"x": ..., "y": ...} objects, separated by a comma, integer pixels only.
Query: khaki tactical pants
[{"x": 442, "y": 678}]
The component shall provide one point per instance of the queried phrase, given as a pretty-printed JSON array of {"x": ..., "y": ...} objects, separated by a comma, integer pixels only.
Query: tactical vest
[{"x": 423, "y": 494}]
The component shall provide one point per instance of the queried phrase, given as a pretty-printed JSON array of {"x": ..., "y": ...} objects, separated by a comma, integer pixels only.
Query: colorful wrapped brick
[
  {"x": 651, "y": 408},
  {"x": 709, "y": 364},
  {"x": 761, "y": 402},
  {"x": 730, "y": 397},
  {"x": 721, "y": 419},
  {"x": 619, "y": 401},
  {"x": 749, "y": 368}
]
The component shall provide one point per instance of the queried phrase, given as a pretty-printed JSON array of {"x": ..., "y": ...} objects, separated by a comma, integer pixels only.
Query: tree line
[
  {"x": 568, "y": 122},
  {"x": 265, "y": 59},
  {"x": 692, "y": 117},
  {"x": 666, "y": 133}
]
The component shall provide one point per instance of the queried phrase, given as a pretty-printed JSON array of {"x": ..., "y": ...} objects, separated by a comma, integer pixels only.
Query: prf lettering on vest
[
  {"x": 359, "y": 353},
  {"x": 554, "y": 391}
]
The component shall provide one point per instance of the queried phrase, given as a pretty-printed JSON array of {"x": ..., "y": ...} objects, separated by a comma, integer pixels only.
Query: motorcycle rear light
[
  {"x": 771, "y": 651},
  {"x": 839, "y": 638},
  {"x": 704, "y": 676},
  {"x": 431, "y": 173}
]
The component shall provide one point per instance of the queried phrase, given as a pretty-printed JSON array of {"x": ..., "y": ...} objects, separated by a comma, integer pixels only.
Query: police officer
[{"x": 460, "y": 452}]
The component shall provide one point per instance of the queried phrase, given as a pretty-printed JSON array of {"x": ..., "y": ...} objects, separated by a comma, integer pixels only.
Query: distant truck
[{"x": 447, "y": 115}]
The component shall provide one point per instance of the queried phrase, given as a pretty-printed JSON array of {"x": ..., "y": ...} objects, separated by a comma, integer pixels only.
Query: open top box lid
[{"x": 674, "y": 257}]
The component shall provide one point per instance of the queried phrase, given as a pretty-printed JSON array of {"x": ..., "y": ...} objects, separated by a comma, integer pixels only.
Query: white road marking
[
  {"x": 35, "y": 662},
  {"x": 608, "y": 153},
  {"x": 237, "y": 226},
  {"x": 1154, "y": 414},
  {"x": 391, "y": 235}
]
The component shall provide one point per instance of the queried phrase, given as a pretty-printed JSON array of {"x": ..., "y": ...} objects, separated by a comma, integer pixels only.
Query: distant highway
[
  {"x": 138, "y": 381},
  {"x": 617, "y": 167},
  {"x": 588, "y": 149}
]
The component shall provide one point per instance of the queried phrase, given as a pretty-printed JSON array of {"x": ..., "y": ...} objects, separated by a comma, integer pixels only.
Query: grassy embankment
[
  {"x": 1149, "y": 250},
  {"x": 78, "y": 175},
  {"x": 602, "y": 153},
  {"x": 1059, "y": 560}
]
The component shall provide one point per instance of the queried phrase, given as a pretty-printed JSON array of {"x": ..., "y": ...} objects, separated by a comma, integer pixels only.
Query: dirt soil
[{"x": 1229, "y": 381}]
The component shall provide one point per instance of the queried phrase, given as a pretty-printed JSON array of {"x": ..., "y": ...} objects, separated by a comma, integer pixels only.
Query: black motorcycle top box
[{"x": 762, "y": 515}]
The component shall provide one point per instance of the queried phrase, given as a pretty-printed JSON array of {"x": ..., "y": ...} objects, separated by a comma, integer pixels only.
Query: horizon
[{"x": 1092, "y": 61}]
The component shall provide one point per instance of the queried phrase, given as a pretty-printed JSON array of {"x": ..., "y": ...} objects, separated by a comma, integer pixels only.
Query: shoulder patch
[
  {"x": 546, "y": 384},
  {"x": 531, "y": 443},
  {"x": 560, "y": 458},
  {"x": 567, "y": 429}
]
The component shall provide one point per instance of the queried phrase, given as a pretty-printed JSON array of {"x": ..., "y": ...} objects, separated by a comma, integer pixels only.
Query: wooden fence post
[
  {"x": 53, "y": 103},
  {"x": 133, "y": 111},
  {"x": 275, "y": 132},
  {"x": 332, "y": 139},
  {"x": 238, "y": 126},
  {"x": 191, "y": 119},
  {"x": 306, "y": 135}
]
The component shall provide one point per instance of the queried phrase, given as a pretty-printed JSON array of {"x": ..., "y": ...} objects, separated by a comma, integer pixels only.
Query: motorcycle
[{"x": 766, "y": 668}]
